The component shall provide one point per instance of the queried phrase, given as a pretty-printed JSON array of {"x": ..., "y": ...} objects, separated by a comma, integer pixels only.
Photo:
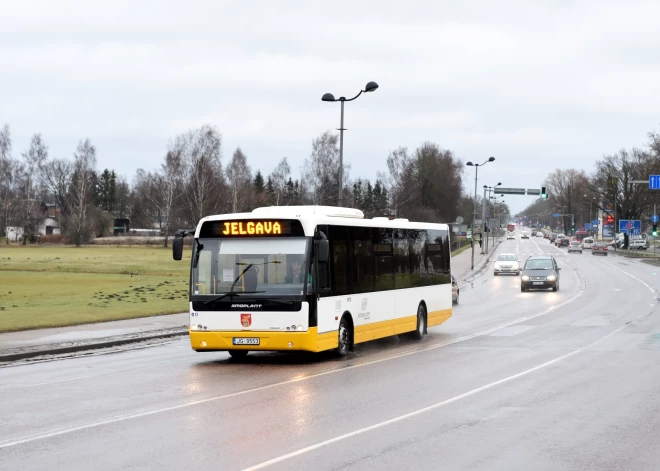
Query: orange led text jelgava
[{"x": 252, "y": 228}]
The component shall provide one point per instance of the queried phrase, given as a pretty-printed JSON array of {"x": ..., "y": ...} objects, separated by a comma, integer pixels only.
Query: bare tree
[
  {"x": 279, "y": 178},
  {"x": 163, "y": 189},
  {"x": 57, "y": 175},
  {"x": 321, "y": 170},
  {"x": 566, "y": 189},
  {"x": 397, "y": 181},
  {"x": 239, "y": 179},
  {"x": 204, "y": 187},
  {"x": 79, "y": 221},
  {"x": 33, "y": 162},
  {"x": 6, "y": 174}
]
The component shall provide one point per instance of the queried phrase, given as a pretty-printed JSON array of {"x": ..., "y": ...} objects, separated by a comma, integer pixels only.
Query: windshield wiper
[{"x": 230, "y": 294}]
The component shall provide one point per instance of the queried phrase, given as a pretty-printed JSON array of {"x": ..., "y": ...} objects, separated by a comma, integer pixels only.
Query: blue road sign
[
  {"x": 587, "y": 226},
  {"x": 595, "y": 222},
  {"x": 654, "y": 218},
  {"x": 630, "y": 226},
  {"x": 654, "y": 182},
  {"x": 555, "y": 215}
]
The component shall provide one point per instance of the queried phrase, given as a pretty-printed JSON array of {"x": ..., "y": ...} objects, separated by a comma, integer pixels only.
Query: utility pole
[{"x": 483, "y": 222}]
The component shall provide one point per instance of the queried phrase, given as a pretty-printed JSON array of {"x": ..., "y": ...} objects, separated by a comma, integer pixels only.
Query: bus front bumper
[{"x": 310, "y": 341}]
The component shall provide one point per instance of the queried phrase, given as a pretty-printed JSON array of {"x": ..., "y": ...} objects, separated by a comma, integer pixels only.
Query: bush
[{"x": 53, "y": 239}]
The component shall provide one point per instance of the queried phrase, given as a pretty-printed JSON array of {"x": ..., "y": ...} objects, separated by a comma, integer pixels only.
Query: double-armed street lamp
[
  {"x": 370, "y": 87},
  {"x": 474, "y": 206}
]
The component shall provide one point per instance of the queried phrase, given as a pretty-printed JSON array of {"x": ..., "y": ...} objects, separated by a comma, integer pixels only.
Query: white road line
[
  {"x": 631, "y": 276},
  {"x": 538, "y": 248},
  {"x": 400, "y": 418},
  {"x": 121, "y": 418}
]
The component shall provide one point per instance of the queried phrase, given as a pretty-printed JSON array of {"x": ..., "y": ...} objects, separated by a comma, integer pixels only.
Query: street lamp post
[
  {"x": 474, "y": 205},
  {"x": 489, "y": 189},
  {"x": 370, "y": 87}
]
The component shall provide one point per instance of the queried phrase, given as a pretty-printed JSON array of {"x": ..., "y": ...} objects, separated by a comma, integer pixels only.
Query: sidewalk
[
  {"x": 31, "y": 343},
  {"x": 461, "y": 263}
]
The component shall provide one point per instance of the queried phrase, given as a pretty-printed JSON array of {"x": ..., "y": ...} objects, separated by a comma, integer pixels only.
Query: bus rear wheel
[
  {"x": 344, "y": 337},
  {"x": 238, "y": 354},
  {"x": 418, "y": 333}
]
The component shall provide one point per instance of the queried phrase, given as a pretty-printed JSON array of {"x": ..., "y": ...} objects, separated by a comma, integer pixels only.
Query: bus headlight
[{"x": 525, "y": 278}]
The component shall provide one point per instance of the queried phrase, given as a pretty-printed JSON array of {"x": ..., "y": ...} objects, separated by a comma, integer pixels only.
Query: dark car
[
  {"x": 599, "y": 248},
  {"x": 563, "y": 242},
  {"x": 540, "y": 272},
  {"x": 552, "y": 237}
]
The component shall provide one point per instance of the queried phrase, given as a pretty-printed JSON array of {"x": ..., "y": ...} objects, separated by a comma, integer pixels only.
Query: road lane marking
[
  {"x": 437, "y": 405},
  {"x": 632, "y": 276},
  {"x": 121, "y": 418}
]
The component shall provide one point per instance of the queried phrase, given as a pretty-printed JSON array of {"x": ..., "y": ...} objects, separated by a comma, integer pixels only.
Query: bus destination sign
[{"x": 252, "y": 228}]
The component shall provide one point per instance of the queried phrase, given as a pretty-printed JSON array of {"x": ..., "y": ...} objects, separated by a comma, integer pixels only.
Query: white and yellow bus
[{"x": 313, "y": 278}]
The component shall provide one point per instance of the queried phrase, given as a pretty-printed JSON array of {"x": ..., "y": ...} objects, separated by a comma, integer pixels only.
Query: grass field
[{"x": 49, "y": 286}]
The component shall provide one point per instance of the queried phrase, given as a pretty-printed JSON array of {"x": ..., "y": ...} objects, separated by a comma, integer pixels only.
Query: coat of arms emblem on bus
[{"x": 246, "y": 320}]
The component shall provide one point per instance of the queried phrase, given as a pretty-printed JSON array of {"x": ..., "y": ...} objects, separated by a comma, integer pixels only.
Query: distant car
[
  {"x": 563, "y": 241},
  {"x": 510, "y": 236},
  {"x": 540, "y": 234},
  {"x": 587, "y": 243},
  {"x": 506, "y": 263},
  {"x": 533, "y": 234},
  {"x": 599, "y": 248},
  {"x": 552, "y": 238},
  {"x": 524, "y": 235},
  {"x": 540, "y": 272},
  {"x": 454, "y": 290},
  {"x": 639, "y": 244},
  {"x": 575, "y": 246}
]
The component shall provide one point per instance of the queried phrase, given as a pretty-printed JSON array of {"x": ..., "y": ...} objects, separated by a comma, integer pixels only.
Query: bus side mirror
[
  {"x": 323, "y": 251},
  {"x": 177, "y": 247}
]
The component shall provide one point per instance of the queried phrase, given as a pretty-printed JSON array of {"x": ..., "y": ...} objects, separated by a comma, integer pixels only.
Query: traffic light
[
  {"x": 544, "y": 192},
  {"x": 655, "y": 230},
  {"x": 573, "y": 228}
]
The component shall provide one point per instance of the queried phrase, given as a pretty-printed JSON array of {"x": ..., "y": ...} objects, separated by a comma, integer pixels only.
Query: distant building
[
  {"x": 121, "y": 225},
  {"x": 44, "y": 217}
]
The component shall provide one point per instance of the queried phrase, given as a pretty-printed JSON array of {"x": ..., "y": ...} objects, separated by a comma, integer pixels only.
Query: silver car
[{"x": 575, "y": 246}]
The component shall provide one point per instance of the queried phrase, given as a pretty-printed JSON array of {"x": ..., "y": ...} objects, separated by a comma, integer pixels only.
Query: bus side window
[{"x": 338, "y": 237}]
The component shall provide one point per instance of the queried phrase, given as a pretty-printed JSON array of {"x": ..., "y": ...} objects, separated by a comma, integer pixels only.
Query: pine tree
[
  {"x": 258, "y": 183},
  {"x": 270, "y": 190}
]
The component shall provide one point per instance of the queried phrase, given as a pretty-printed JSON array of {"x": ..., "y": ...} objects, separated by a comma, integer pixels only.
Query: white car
[
  {"x": 510, "y": 236},
  {"x": 639, "y": 244},
  {"x": 506, "y": 263},
  {"x": 587, "y": 243}
]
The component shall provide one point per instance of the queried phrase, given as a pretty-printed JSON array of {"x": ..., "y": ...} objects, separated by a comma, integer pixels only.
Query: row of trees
[
  {"x": 192, "y": 182},
  {"x": 610, "y": 187}
]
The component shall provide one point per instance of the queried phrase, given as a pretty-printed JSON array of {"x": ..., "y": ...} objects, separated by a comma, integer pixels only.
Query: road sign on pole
[
  {"x": 654, "y": 218},
  {"x": 555, "y": 215},
  {"x": 654, "y": 182},
  {"x": 630, "y": 226},
  {"x": 595, "y": 222}
]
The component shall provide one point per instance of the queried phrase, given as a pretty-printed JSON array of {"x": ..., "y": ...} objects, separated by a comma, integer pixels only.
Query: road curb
[
  {"x": 481, "y": 265},
  {"x": 108, "y": 342}
]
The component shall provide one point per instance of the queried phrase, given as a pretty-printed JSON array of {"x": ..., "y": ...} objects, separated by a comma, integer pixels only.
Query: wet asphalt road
[{"x": 538, "y": 380}]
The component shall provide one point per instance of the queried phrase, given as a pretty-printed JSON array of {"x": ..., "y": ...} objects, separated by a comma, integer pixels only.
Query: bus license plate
[
  {"x": 246, "y": 341},
  {"x": 537, "y": 283}
]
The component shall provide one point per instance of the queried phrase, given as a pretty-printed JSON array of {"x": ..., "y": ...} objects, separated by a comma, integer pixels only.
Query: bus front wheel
[
  {"x": 418, "y": 334},
  {"x": 238, "y": 354}
]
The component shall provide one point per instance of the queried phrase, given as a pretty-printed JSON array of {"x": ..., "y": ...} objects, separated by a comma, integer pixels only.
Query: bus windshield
[{"x": 259, "y": 266}]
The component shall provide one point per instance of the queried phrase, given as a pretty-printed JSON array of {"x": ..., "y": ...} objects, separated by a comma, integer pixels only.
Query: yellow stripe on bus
[{"x": 311, "y": 340}]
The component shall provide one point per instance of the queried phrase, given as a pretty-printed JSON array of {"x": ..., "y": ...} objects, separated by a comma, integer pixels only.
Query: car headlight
[
  {"x": 551, "y": 278},
  {"x": 525, "y": 278},
  {"x": 497, "y": 266}
]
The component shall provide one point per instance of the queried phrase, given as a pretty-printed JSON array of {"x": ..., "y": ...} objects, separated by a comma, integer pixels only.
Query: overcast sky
[{"x": 539, "y": 85}]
